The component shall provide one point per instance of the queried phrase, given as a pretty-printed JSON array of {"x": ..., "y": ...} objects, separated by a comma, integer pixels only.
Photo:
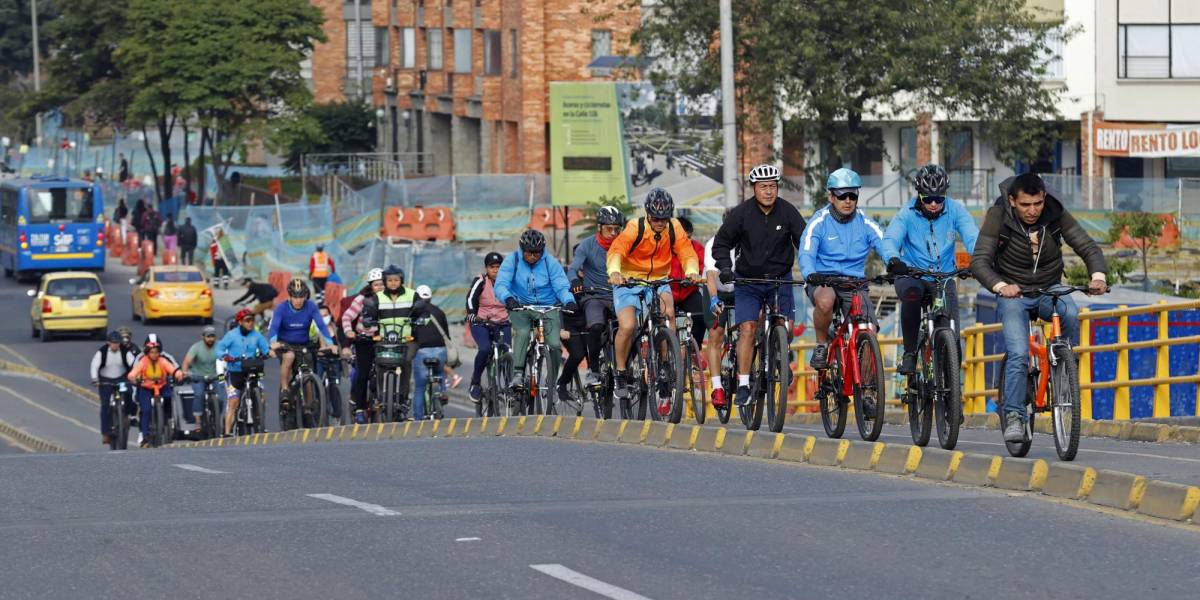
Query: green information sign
[{"x": 587, "y": 144}]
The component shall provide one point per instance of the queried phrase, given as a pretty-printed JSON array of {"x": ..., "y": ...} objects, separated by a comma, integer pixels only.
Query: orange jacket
[
  {"x": 651, "y": 259},
  {"x": 140, "y": 370}
]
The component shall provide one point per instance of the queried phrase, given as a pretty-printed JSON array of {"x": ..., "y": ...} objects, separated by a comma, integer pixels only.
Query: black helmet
[
  {"x": 931, "y": 180},
  {"x": 660, "y": 204},
  {"x": 393, "y": 270},
  {"x": 609, "y": 215},
  {"x": 533, "y": 241},
  {"x": 296, "y": 288},
  {"x": 492, "y": 258}
]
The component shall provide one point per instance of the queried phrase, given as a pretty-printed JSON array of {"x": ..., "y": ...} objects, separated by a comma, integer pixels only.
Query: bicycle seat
[{"x": 431, "y": 362}]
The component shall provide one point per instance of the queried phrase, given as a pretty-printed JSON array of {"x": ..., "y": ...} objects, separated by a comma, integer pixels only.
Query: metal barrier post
[
  {"x": 1121, "y": 393},
  {"x": 980, "y": 376},
  {"x": 1085, "y": 365},
  {"x": 969, "y": 374},
  {"x": 1162, "y": 391}
]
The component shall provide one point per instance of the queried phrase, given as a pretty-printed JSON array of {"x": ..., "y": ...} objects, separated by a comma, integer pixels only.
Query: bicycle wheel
[
  {"x": 158, "y": 430},
  {"x": 947, "y": 394},
  {"x": 779, "y": 378},
  {"x": 333, "y": 397},
  {"x": 214, "y": 415},
  {"x": 693, "y": 381},
  {"x": 633, "y": 405},
  {"x": 1064, "y": 399},
  {"x": 313, "y": 411},
  {"x": 830, "y": 400},
  {"x": 543, "y": 396},
  {"x": 122, "y": 424},
  {"x": 1016, "y": 449},
  {"x": 919, "y": 404},
  {"x": 387, "y": 397},
  {"x": 116, "y": 412},
  {"x": 667, "y": 388},
  {"x": 751, "y": 415},
  {"x": 727, "y": 384},
  {"x": 869, "y": 393}
]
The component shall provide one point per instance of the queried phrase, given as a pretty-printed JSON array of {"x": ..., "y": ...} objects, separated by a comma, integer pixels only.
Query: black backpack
[{"x": 104, "y": 357}]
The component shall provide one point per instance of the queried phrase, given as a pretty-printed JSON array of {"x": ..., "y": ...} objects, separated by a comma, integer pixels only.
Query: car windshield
[
  {"x": 60, "y": 205},
  {"x": 178, "y": 277},
  {"x": 80, "y": 287}
]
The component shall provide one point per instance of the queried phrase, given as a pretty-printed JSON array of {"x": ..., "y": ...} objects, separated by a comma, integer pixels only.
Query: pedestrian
[
  {"x": 187, "y": 242},
  {"x": 151, "y": 222},
  {"x": 123, "y": 170},
  {"x": 320, "y": 267},
  {"x": 220, "y": 269},
  {"x": 139, "y": 211},
  {"x": 170, "y": 235}
]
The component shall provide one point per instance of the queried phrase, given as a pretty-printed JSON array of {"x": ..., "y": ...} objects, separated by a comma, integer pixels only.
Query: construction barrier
[
  {"x": 132, "y": 252},
  {"x": 279, "y": 281},
  {"x": 433, "y": 223},
  {"x": 169, "y": 257},
  {"x": 334, "y": 292},
  {"x": 146, "y": 259}
]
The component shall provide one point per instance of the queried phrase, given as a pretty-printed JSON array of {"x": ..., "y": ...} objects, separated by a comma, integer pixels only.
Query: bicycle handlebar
[
  {"x": 845, "y": 282},
  {"x": 541, "y": 309},
  {"x": 768, "y": 281},
  {"x": 631, "y": 282},
  {"x": 959, "y": 273},
  {"x": 1058, "y": 291}
]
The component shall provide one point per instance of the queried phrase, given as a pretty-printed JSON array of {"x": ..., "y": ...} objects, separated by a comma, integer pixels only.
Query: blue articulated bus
[{"x": 50, "y": 224}]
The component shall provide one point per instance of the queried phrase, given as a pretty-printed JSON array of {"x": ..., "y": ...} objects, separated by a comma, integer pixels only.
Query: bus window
[{"x": 60, "y": 205}]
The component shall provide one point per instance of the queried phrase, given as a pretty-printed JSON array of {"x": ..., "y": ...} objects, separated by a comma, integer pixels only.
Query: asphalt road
[{"x": 534, "y": 518}]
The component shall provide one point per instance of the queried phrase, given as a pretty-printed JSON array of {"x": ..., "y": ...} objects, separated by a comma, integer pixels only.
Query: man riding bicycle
[
  {"x": 392, "y": 310},
  {"x": 837, "y": 242},
  {"x": 764, "y": 234},
  {"x": 263, "y": 295},
  {"x": 290, "y": 328},
  {"x": 589, "y": 269},
  {"x": 1020, "y": 248},
  {"x": 644, "y": 250},
  {"x": 243, "y": 341},
  {"x": 200, "y": 361},
  {"x": 110, "y": 365},
  {"x": 531, "y": 276},
  {"x": 922, "y": 236}
]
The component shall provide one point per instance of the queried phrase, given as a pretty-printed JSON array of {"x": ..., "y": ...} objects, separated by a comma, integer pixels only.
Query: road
[{"x": 524, "y": 518}]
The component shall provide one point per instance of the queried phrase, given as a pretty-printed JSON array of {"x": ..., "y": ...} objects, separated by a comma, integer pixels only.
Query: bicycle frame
[
  {"x": 1040, "y": 353},
  {"x": 845, "y": 341}
]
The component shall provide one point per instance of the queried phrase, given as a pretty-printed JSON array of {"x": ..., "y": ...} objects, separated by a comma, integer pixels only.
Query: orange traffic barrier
[
  {"x": 146, "y": 258},
  {"x": 432, "y": 223},
  {"x": 333, "y": 298},
  {"x": 131, "y": 250},
  {"x": 169, "y": 257},
  {"x": 548, "y": 217},
  {"x": 279, "y": 280},
  {"x": 116, "y": 245}
]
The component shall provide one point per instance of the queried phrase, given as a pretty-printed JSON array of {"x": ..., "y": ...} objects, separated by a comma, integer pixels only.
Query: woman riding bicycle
[
  {"x": 152, "y": 371},
  {"x": 362, "y": 338},
  {"x": 589, "y": 269},
  {"x": 484, "y": 307},
  {"x": 243, "y": 341}
]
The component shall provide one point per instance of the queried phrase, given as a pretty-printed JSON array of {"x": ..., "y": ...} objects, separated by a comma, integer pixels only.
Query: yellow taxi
[
  {"x": 172, "y": 291},
  {"x": 68, "y": 301}
]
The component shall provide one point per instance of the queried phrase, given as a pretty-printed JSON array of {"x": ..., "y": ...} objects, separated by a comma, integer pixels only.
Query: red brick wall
[{"x": 329, "y": 57}]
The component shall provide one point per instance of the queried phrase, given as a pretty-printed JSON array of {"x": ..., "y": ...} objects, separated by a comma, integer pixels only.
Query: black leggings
[
  {"x": 364, "y": 359},
  {"x": 576, "y": 351}
]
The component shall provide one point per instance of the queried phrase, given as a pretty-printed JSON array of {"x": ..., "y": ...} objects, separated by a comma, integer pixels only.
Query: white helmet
[
  {"x": 375, "y": 274},
  {"x": 423, "y": 292},
  {"x": 764, "y": 173}
]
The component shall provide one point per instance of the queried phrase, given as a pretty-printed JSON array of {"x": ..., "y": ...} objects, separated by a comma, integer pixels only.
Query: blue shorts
[
  {"x": 624, "y": 297},
  {"x": 749, "y": 299}
]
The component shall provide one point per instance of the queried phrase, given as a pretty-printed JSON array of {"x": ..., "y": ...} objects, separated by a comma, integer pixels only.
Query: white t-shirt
[{"x": 712, "y": 265}]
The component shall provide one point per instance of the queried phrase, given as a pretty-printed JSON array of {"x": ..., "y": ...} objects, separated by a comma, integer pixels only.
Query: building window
[
  {"x": 1053, "y": 54},
  {"x": 462, "y": 50},
  {"x": 1183, "y": 166},
  {"x": 491, "y": 52},
  {"x": 1158, "y": 51},
  {"x": 908, "y": 150},
  {"x": 383, "y": 47},
  {"x": 512, "y": 51},
  {"x": 433, "y": 39},
  {"x": 408, "y": 48},
  {"x": 360, "y": 44},
  {"x": 958, "y": 157},
  {"x": 601, "y": 43}
]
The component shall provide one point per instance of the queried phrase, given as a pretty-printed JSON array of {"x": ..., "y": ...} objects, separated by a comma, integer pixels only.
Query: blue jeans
[
  {"x": 145, "y": 395},
  {"x": 419, "y": 377},
  {"x": 1015, "y": 315},
  {"x": 335, "y": 371}
]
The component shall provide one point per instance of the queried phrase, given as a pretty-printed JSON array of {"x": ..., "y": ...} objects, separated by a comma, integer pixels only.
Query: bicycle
[
  {"x": 118, "y": 430},
  {"x": 331, "y": 381},
  {"x": 212, "y": 422},
  {"x": 539, "y": 391},
  {"x": 933, "y": 387},
  {"x": 601, "y": 394},
  {"x": 728, "y": 366},
  {"x": 249, "y": 416},
  {"x": 161, "y": 429},
  {"x": 770, "y": 373},
  {"x": 310, "y": 410},
  {"x": 647, "y": 369},
  {"x": 390, "y": 354},
  {"x": 1051, "y": 367},
  {"x": 695, "y": 386},
  {"x": 499, "y": 374},
  {"x": 435, "y": 399},
  {"x": 855, "y": 364}
]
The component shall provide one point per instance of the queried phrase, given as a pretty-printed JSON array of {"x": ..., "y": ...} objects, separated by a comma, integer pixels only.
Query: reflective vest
[
  {"x": 396, "y": 311},
  {"x": 320, "y": 265}
]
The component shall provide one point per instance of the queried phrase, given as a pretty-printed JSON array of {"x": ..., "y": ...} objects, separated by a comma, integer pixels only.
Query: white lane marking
[
  {"x": 374, "y": 509},
  {"x": 590, "y": 584},
  {"x": 23, "y": 398},
  {"x": 467, "y": 539},
  {"x": 18, "y": 356},
  {"x": 199, "y": 469}
]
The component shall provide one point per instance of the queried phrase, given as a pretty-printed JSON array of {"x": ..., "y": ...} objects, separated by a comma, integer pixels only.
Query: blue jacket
[
  {"x": 290, "y": 326},
  {"x": 592, "y": 260},
  {"x": 240, "y": 346},
  {"x": 833, "y": 248},
  {"x": 543, "y": 283},
  {"x": 926, "y": 244}
]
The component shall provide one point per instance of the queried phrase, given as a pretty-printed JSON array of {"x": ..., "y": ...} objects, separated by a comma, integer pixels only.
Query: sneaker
[
  {"x": 718, "y": 398},
  {"x": 664, "y": 406},
  {"x": 1015, "y": 432},
  {"x": 593, "y": 380},
  {"x": 360, "y": 417},
  {"x": 621, "y": 387},
  {"x": 820, "y": 357},
  {"x": 455, "y": 381},
  {"x": 476, "y": 393},
  {"x": 908, "y": 364},
  {"x": 141, "y": 439},
  {"x": 518, "y": 380},
  {"x": 743, "y": 395},
  {"x": 105, "y": 439}
]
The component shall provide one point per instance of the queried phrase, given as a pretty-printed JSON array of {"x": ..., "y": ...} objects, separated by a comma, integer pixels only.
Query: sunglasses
[
  {"x": 852, "y": 196},
  {"x": 932, "y": 199}
]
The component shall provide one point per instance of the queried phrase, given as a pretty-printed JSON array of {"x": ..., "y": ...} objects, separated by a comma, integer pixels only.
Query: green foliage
[
  {"x": 330, "y": 128},
  {"x": 588, "y": 222},
  {"x": 1118, "y": 271},
  {"x": 16, "y": 37},
  {"x": 1143, "y": 228}
]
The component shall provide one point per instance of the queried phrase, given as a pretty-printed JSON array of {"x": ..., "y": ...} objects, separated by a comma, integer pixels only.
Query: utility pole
[
  {"x": 728, "y": 104},
  {"x": 37, "y": 67},
  {"x": 358, "y": 27}
]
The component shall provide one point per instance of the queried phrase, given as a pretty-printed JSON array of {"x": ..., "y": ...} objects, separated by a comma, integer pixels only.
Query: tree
[
  {"x": 1143, "y": 229},
  {"x": 329, "y": 128},
  {"x": 829, "y": 65},
  {"x": 16, "y": 37}
]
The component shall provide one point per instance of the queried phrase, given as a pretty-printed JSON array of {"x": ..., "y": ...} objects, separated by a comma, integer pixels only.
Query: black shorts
[
  {"x": 598, "y": 309},
  {"x": 844, "y": 298}
]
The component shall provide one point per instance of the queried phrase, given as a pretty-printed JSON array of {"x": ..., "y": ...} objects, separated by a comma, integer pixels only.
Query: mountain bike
[
  {"x": 539, "y": 391},
  {"x": 391, "y": 350},
  {"x": 494, "y": 400},
  {"x": 601, "y": 394},
  {"x": 771, "y": 372},
  {"x": 435, "y": 398},
  {"x": 211, "y": 422},
  {"x": 118, "y": 430},
  {"x": 655, "y": 365},
  {"x": 161, "y": 430},
  {"x": 855, "y": 363},
  {"x": 695, "y": 386},
  {"x": 330, "y": 367},
  {"x": 306, "y": 406},
  {"x": 933, "y": 387},
  {"x": 249, "y": 416},
  {"x": 728, "y": 366},
  {"x": 1053, "y": 381}
]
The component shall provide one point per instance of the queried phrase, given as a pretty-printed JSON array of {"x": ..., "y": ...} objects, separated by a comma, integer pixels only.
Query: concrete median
[
  {"x": 1069, "y": 481},
  {"x": 1150, "y": 432},
  {"x": 862, "y": 456},
  {"x": 1116, "y": 489},
  {"x": 898, "y": 459},
  {"x": 937, "y": 464},
  {"x": 1169, "y": 501},
  {"x": 1022, "y": 474},
  {"x": 736, "y": 442},
  {"x": 796, "y": 448},
  {"x": 764, "y": 444},
  {"x": 659, "y": 434},
  {"x": 634, "y": 433},
  {"x": 683, "y": 438},
  {"x": 977, "y": 469},
  {"x": 610, "y": 431},
  {"x": 828, "y": 452},
  {"x": 710, "y": 439}
]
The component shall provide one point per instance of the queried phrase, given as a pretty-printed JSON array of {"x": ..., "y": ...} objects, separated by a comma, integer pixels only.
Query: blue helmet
[{"x": 843, "y": 178}]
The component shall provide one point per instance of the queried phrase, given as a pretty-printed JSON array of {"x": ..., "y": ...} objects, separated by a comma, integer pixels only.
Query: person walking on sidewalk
[{"x": 187, "y": 242}]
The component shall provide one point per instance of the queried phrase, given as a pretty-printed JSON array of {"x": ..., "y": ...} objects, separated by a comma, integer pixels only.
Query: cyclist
[
  {"x": 721, "y": 305},
  {"x": 590, "y": 269},
  {"x": 127, "y": 341},
  {"x": 429, "y": 323},
  {"x": 110, "y": 365},
  {"x": 319, "y": 367},
  {"x": 152, "y": 368},
  {"x": 201, "y": 361},
  {"x": 574, "y": 330},
  {"x": 690, "y": 298},
  {"x": 290, "y": 325},
  {"x": 1020, "y": 247},
  {"x": 263, "y": 294},
  {"x": 320, "y": 267},
  {"x": 243, "y": 341},
  {"x": 482, "y": 305},
  {"x": 642, "y": 250},
  {"x": 837, "y": 242},
  {"x": 764, "y": 234},
  {"x": 362, "y": 340},
  {"x": 392, "y": 308},
  {"x": 531, "y": 276},
  {"x": 922, "y": 236}
]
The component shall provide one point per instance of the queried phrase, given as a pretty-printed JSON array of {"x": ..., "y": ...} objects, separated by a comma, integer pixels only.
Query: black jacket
[
  {"x": 425, "y": 333},
  {"x": 262, "y": 292},
  {"x": 1003, "y": 252},
  {"x": 765, "y": 243},
  {"x": 187, "y": 236}
]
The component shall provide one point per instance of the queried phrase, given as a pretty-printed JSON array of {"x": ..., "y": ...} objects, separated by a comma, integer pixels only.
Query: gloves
[
  {"x": 713, "y": 303},
  {"x": 512, "y": 304},
  {"x": 571, "y": 307},
  {"x": 897, "y": 267},
  {"x": 576, "y": 286},
  {"x": 726, "y": 276},
  {"x": 813, "y": 280}
]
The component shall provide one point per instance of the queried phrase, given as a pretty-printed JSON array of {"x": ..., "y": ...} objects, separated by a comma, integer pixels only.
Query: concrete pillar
[
  {"x": 464, "y": 137},
  {"x": 924, "y": 139},
  {"x": 486, "y": 139},
  {"x": 1091, "y": 167}
]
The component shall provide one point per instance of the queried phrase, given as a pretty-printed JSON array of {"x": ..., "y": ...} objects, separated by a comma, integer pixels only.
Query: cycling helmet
[
  {"x": 320, "y": 247},
  {"x": 375, "y": 274},
  {"x": 296, "y": 288},
  {"x": 931, "y": 180},
  {"x": 423, "y": 292},
  {"x": 533, "y": 241},
  {"x": 150, "y": 345},
  {"x": 242, "y": 314},
  {"x": 843, "y": 179},
  {"x": 394, "y": 270},
  {"x": 763, "y": 173},
  {"x": 609, "y": 215},
  {"x": 660, "y": 204},
  {"x": 492, "y": 258}
]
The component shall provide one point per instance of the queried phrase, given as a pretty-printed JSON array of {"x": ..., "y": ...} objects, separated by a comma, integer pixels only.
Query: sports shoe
[
  {"x": 593, "y": 380},
  {"x": 476, "y": 393},
  {"x": 141, "y": 439},
  {"x": 360, "y": 417},
  {"x": 718, "y": 398},
  {"x": 908, "y": 364},
  {"x": 664, "y": 406},
  {"x": 518, "y": 380},
  {"x": 621, "y": 387},
  {"x": 820, "y": 357},
  {"x": 1015, "y": 432},
  {"x": 105, "y": 439},
  {"x": 743, "y": 395}
]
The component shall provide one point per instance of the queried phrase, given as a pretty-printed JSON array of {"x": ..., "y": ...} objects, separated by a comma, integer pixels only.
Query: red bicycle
[{"x": 855, "y": 363}]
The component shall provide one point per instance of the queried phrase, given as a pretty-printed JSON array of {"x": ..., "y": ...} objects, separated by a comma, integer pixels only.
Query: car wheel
[
  {"x": 34, "y": 330},
  {"x": 46, "y": 335}
]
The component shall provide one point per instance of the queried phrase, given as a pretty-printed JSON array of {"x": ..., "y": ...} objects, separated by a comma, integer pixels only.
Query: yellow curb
[
  {"x": 1169, "y": 501},
  {"x": 407, "y": 427},
  {"x": 1116, "y": 489},
  {"x": 450, "y": 428},
  {"x": 828, "y": 452},
  {"x": 939, "y": 465}
]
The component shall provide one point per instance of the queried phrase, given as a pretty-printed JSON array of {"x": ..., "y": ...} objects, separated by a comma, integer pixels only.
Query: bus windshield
[{"x": 60, "y": 205}]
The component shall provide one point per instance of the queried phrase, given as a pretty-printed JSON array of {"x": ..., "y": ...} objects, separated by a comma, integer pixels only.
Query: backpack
[
  {"x": 642, "y": 233},
  {"x": 104, "y": 357}
]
